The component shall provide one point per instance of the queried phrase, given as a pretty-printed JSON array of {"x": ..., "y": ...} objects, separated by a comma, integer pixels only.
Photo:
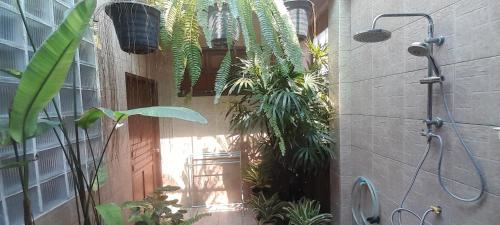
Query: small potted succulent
[{"x": 137, "y": 25}]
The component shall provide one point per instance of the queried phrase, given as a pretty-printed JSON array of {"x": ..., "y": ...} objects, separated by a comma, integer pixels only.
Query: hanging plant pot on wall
[
  {"x": 300, "y": 11},
  {"x": 137, "y": 26}
]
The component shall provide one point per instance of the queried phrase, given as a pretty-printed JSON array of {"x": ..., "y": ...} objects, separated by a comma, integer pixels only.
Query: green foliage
[
  {"x": 257, "y": 176},
  {"x": 192, "y": 49},
  {"x": 94, "y": 114},
  {"x": 155, "y": 209},
  {"x": 110, "y": 213},
  {"x": 182, "y": 20},
  {"x": 46, "y": 72},
  {"x": 292, "y": 108},
  {"x": 222, "y": 75},
  {"x": 42, "y": 126},
  {"x": 267, "y": 210},
  {"x": 306, "y": 212}
]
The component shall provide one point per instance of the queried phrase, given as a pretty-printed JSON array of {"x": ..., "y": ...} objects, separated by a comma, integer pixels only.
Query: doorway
[{"x": 143, "y": 136}]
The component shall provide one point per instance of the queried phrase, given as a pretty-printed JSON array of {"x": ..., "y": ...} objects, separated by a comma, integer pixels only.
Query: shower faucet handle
[{"x": 432, "y": 80}]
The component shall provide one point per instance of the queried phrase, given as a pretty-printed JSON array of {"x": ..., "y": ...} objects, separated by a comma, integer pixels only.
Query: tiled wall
[{"x": 381, "y": 106}]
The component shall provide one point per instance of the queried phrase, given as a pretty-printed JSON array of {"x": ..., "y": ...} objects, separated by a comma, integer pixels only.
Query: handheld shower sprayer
[{"x": 425, "y": 49}]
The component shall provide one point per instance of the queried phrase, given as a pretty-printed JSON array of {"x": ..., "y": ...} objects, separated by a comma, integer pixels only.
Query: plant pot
[
  {"x": 218, "y": 18},
  {"x": 300, "y": 11},
  {"x": 137, "y": 26}
]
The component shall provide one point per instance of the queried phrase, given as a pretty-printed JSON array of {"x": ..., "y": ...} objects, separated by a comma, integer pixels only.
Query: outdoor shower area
[
  {"x": 245, "y": 112},
  {"x": 417, "y": 86}
]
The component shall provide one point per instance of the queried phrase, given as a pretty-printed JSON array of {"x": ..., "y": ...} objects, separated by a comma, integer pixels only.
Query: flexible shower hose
[
  {"x": 360, "y": 185},
  {"x": 440, "y": 176}
]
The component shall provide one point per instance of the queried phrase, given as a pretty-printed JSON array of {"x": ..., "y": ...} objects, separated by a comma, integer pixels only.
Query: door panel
[{"x": 143, "y": 136}]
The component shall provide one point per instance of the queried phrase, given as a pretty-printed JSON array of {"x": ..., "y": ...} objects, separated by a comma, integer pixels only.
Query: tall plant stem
[
  {"x": 74, "y": 163},
  {"x": 24, "y": 170}
]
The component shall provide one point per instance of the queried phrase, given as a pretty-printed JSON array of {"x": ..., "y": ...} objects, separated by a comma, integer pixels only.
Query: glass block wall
[{"x": 50, "y": 183}]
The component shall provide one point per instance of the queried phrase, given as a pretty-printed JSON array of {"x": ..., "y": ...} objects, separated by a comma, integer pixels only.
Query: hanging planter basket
[
  {"x": 137, "y": 26},
  {"x": 300, "y": 11},
  {"x": 218, "y": 18}
]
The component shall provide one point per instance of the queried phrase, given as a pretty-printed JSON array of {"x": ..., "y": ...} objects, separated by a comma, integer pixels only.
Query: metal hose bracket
[{"x": 364, "y": 187}]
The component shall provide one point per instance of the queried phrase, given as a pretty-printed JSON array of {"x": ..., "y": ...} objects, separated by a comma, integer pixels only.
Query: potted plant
[
  {"x": 219, "y": 23},
  {"x": 137, "y": 26},
  {"x": 300, "y": 11},
  {"x": 306, "y": 212},
  {"x": 257, "y": 177},
  {"x": 268, "y": 211}
]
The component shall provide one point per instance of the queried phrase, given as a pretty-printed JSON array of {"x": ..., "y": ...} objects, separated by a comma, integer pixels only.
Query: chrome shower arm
[{"x": 427, "y": 16}]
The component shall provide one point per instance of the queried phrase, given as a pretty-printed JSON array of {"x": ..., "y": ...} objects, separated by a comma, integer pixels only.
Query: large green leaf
[
  {"x": 42, "y": 126},
  {"x": 94, "y": 114},
  {"x": 45, "y": 74},
  {"x": 110, "y": 213}
]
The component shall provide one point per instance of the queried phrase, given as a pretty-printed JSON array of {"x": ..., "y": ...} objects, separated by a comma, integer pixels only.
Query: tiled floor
[{"x": 235, "y": 217}]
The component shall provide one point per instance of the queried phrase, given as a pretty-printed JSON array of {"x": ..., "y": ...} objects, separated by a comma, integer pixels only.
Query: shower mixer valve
[{"x": 436, "y": 121}]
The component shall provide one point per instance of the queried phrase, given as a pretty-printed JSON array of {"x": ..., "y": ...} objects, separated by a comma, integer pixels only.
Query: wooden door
[{"x": 143, "y": 136}]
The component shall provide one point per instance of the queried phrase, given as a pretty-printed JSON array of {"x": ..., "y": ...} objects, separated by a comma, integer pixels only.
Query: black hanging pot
[
  {"x": 300, "y": 11},
  {"x": 137, "y": 26}
]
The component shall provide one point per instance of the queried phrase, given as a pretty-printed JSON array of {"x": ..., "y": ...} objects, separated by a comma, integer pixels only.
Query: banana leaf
[
  {"x": 42, "y": 126},
  {"x": 94, "y": 114},
  {"x": 45, "y": 74}
]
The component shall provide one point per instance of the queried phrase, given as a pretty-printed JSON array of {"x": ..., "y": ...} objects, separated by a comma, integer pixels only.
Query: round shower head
[
  {"x": 374, "y": 35},
  {"x": 419, "y": 49}
]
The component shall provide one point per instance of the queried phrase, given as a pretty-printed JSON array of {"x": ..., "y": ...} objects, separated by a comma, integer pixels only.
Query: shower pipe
[{"x": 426, "y": 49}]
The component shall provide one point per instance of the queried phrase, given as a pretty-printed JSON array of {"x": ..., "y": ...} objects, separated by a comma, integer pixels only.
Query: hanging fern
[
  {"x": 180, "y": 31},
  {"x": 222, "y": 75},
  {"x": 171, "y": 9},
  {"x": 277, "y": 132},
  {"x": 268, "y": 28},
  {"x": 192, "y": 49},
  {"x": 179, "y": 57},
  {"x": 246, "y": 22},
  {"x": 202, "y": 17},
  {"x": 287, "y": 34}
]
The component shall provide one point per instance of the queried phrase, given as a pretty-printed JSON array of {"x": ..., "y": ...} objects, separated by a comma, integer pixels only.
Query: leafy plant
[
  {"x": 181, "y": 20},
  {"x": 257, "y": 176},
  {"x": 291, "y": 107},
  {"x": 267, "y": 210},
  {"x": 306, "y": 212},
  {"x": 39, "y": 83},
  {"x": 155, "y": 209}
]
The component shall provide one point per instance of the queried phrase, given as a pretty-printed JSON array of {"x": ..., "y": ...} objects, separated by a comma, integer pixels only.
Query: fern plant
[{"x": 180, "y": 32}]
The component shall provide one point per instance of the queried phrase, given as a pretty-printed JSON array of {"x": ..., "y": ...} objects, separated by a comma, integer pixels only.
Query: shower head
[
  {"x": 423, "y": 50},
  {"x": 373, "y": 35},
  {"x": 419, "y": 49}
]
